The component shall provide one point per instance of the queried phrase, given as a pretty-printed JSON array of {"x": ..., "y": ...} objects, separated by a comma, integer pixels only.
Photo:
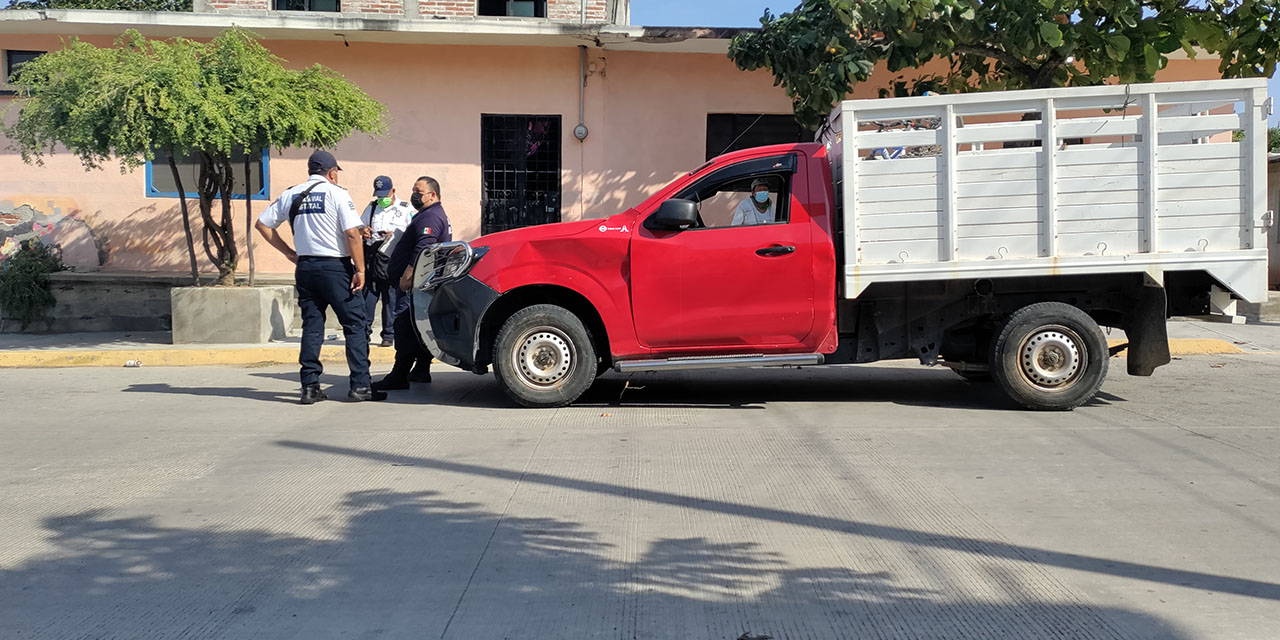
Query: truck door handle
[{"x": 775, "y": 251}]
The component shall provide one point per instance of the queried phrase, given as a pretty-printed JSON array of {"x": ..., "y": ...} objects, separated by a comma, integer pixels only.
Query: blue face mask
[{"x": 762, "y": 196}]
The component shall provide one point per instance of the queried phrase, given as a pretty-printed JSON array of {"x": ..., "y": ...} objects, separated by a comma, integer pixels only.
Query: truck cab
[{"x": 847, "y": 258}]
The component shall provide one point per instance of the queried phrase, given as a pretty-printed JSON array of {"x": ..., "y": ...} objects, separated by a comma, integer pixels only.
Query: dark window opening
[
  {"x": 308, "y": 5},
  {"x": 14, "y": 59},
  {"x": 160, "y": 183},
  {"x": 520, "y": 170},
  {"x": 515, "y": 8},
  {"x": 736, "y": 131}
]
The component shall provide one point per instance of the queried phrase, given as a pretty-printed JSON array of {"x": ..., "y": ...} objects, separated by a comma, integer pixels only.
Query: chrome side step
[{"x": 719, "y": 362}]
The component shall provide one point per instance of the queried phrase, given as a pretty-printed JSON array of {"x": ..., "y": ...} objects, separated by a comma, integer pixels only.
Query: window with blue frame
[{"x": 160, "y": 182}]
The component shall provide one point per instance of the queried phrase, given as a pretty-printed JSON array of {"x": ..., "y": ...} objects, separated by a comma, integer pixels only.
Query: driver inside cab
[{"x": 758, "y": 208}]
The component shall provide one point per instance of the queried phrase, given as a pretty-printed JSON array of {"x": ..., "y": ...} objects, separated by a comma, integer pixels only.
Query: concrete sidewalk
[
  {"x": 1186, "y": 337},
  {"x": 155, "y": 349}
]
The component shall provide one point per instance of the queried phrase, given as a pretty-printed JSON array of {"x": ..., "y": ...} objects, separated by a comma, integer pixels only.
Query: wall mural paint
[{"x": 60, "y": 226}]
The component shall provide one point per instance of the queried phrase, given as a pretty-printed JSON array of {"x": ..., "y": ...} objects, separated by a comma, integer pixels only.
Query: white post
[
  {"x": 1151, "y": 145},
  {"x": 951, "y": 233},
  {"x": 1254, "y": 233},
  {"x": 1049, "y": 177},
  {"x": 852, "y": 251}
]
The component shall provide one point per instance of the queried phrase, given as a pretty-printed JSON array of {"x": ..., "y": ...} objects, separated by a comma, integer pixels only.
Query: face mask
[
  {"x": 384, "y": 202},
  {"x": 762, "y": 196},
  {"x": 416, "y": 201}
]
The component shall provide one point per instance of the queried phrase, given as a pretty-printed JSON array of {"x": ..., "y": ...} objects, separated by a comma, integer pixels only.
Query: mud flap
[{"x": 1147, "y": 332}]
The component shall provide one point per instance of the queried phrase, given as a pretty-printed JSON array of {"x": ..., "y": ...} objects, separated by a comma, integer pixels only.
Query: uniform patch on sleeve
[{"x": 426, "y": 231}]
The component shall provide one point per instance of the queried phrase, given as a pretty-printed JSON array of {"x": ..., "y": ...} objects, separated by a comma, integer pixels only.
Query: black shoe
[
  {"x": 387, "y": 343},
  {"x": 391, "y": 383},
  {"x": 365, "y": 394},
  {"x": 312, "y": 394},
  {"x": 420, "y": 373}
]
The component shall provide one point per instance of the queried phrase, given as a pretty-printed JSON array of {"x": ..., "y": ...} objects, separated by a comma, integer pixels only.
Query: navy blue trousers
[
  {"x": 325, "y": 283},
  {"x": 394, "y": 302}
]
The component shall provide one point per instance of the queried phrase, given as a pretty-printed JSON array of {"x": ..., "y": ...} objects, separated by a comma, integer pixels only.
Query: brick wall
[
  {"x": 571, "y": 10},
  {"x": 557, "y": 10},
  {"x": 235, "y": 6},
  {"x": 447, "y": 8},
  {"x": 377, "y": 8}
]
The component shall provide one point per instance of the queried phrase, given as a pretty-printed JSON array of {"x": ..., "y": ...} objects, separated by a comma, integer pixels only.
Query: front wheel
[
  {"x": 1050, "y": 356},
  {"x": 544, "y": 357}
]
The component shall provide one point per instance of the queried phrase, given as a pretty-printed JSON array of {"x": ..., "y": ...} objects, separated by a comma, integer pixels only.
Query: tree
[
  {"x": 818, "y": 51},
  {"x": 117, "y": 5},
  {"x": 183, "y": 98}
]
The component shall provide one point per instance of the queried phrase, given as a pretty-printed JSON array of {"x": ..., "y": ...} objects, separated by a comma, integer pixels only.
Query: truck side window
[{"x": 744, "y": 201}]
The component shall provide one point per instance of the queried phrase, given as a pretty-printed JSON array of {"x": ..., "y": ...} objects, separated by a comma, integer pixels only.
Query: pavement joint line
[
  {"x": 201, "y": 356},
  {"x": 492, "y": 534}
]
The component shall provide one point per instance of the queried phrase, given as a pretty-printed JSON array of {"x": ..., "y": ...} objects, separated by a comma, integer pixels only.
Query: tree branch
[{"x": 1015, "y": 65}]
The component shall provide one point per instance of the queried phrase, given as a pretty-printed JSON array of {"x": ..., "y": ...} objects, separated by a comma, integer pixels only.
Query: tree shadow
[{"x": 417, "y": 565}]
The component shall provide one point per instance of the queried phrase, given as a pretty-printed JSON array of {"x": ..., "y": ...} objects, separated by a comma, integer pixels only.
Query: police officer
[
  {"x": 385, "y": 219},
  {"x": 430, "y": 226},
  {"x": 330, "y": 271}
]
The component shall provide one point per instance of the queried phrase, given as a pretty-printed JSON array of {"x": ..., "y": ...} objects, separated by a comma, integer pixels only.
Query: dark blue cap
[
  {"x": 321, "y": 162},
  {"x": 381, "y": 187}
]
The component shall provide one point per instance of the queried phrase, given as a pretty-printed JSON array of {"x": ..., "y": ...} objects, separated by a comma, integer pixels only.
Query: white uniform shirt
[
  {"x": 747, "y": 214},
  {"x": 323, "y": 219},
  {"x": 386, "y": 221}
]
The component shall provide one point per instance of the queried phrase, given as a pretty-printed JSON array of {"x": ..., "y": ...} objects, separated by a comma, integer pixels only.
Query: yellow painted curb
[
  {"x": 1195, "y": 346},
  {"x": 262, "y": 356},
  {"x": 177, "y": 357}
]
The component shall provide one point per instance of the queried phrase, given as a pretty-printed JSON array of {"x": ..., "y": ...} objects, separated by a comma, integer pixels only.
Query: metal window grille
[
  {"x": 14, "y": 59},
  {"x": 308, "y": 5},
  {"x": 520, "y": 168}
]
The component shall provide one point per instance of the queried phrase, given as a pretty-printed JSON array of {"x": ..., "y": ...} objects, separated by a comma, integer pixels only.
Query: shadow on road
[
  {"x": 392, "y": 567},
  {"x": 741, "y": 389},
  {"x": 989, "y": 548}
]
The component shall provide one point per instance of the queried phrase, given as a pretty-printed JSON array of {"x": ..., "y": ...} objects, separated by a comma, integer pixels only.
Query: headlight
[{"x": 445, "y": 261}]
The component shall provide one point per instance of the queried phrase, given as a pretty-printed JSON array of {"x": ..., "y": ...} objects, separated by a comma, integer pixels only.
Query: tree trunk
[
  {"x": 248, "y": 216},
  {"x": 186, "y": 218},
  {"x": 219, "y": 238},
  {"x": 230, "y": 255}
]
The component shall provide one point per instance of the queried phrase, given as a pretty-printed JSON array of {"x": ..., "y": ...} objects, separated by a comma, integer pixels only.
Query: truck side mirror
[{"x": 676, "y": 213}]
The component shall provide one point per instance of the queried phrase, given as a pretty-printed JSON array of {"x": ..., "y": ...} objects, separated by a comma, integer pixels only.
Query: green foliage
[
  {"x": 24, "y": 282},
  {"x": 117, "y": 5},
  {"x": 1273, "y": 139},
  {"x": 181, "y": 96},
  {"x": 998, "y": 44}
]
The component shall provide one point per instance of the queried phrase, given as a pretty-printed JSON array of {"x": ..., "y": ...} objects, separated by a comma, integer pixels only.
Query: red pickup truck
[{"x": 981, "y": 251}]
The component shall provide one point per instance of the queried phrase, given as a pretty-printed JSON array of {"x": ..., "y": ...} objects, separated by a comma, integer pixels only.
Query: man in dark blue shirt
[{"x": 429, "y": 226}]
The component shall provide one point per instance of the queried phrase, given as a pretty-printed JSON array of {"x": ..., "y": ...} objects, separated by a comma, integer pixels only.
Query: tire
[
  {"x": 1050, "y": 356},
  {"x": 544, "y": 357}
]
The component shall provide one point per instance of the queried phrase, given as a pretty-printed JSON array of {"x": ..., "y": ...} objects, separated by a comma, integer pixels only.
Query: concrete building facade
[{"x": 486, "y": 104}]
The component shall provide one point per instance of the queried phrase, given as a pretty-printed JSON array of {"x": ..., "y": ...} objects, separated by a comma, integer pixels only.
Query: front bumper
[{"x": 447, "y": 317}]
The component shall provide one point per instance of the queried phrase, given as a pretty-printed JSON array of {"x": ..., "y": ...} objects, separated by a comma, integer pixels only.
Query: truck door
[{"x": 739, "y": 280}]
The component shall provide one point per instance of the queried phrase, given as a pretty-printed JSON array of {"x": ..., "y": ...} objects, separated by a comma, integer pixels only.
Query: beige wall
[{"x": 646, "y": 113}]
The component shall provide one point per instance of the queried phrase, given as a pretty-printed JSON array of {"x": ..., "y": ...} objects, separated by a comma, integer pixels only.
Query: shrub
[{"x": 25, "y": 293}]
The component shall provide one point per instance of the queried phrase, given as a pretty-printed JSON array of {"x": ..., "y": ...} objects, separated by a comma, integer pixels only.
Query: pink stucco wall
[{"x": 646, "y": 112}]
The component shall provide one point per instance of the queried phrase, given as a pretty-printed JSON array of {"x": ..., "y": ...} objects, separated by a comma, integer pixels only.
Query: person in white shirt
[
  {"x": 385, "y": 219},
  {"x": 756, "y": 209},
  {"x": 330, "y": 271}
]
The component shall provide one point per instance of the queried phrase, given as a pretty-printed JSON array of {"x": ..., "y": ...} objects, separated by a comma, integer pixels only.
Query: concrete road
[{"x": 881, "y": 502}]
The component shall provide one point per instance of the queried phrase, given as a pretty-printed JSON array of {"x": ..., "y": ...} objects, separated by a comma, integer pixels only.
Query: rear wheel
[
  {"x": 1050, "y": 356},
  {"x": 544, "y": 357}
]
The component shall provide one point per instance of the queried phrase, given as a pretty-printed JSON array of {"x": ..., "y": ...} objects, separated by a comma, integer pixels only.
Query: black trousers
[
  {"x": 326, "y": 283},
  {"x": 409, "y": 349}
]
